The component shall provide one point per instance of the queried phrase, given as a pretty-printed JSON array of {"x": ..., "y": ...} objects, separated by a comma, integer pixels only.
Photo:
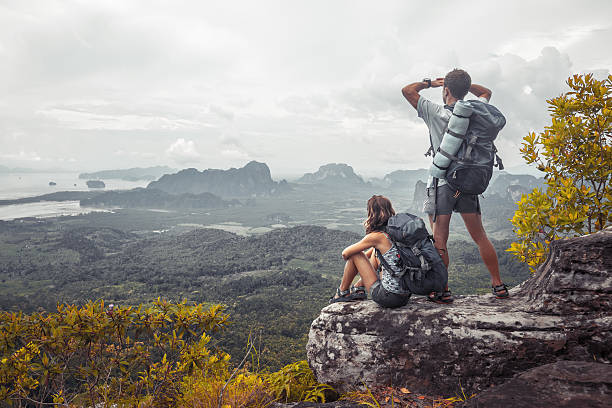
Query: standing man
[{"x": 455, "y": 85}]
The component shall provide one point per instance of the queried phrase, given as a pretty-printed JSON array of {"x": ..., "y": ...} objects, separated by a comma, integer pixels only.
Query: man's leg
[
  {"x": 440, "y": 230},
  {"x": 473, "y": 223},
  {"x": 443, "y": 206}
]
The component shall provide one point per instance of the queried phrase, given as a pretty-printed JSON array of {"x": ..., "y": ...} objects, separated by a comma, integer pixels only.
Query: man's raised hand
[{"x": 438, "y": 82}]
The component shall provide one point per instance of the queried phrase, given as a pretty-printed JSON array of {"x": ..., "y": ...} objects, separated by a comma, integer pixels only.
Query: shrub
[
  {"x": 92, "y": 354},
  {"x": 575, "y": 153},
  {"x": 158, "y": 355}
]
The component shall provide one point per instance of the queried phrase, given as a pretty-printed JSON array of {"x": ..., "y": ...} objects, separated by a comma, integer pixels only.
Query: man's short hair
[{"x": 458, "y": 83}]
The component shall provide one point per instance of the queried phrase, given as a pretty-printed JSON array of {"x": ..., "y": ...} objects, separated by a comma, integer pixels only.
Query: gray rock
[
  {"x": 254, "y": 179},
  {"x": 562, "y": 313},
  {"x": 335, "y": 174},
  {"x": 569, "y": 384},
  {"x": 574, "y": 279}
]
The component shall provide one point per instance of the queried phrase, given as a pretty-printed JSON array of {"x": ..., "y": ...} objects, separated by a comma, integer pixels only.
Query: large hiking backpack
[
  {"x": 471, "y": 168},
  {"x": 423, "y": 270}
]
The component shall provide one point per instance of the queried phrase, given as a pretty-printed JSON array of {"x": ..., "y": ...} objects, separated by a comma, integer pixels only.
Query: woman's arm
[{"x": 369, "y": 241}]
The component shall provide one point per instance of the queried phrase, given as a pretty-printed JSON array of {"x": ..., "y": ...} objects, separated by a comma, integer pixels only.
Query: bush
[
  {"x": 156, "y": 355},
  {"x": 575, "y": 153}
]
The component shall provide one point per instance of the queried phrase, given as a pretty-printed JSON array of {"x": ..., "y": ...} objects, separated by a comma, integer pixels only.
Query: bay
[
  {"x": 21, "y": 185},
  {"x": 44, "y": 209}
]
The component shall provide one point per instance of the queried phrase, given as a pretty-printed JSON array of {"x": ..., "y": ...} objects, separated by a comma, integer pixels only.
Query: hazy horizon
[
  {"x": 519, "y": 169},
  {"x": 113, "y": 85}
]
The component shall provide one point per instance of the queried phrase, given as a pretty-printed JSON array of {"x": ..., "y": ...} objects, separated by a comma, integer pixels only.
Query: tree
[{"x": 575, "y": 153}]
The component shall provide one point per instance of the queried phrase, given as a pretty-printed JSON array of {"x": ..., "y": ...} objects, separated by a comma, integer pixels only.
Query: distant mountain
[
  {"x": 156, "y": 199},
  {"x": 401, "y": 179},
  {"x": 419, "y": 196},
  {"x": 515, "y": 192},
  {"x": 333, "y": 174},
  {"x": 254, "y": 179},
  {"x": 524, "y": 169},
  {"x": 133, "y": 174},
  {"x": 502, "y": 183}
]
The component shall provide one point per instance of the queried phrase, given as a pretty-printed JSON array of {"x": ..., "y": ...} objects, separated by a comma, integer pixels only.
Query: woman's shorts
[
  {"x": 385, "y": 298},
  {"x": 449, "y": 201}
]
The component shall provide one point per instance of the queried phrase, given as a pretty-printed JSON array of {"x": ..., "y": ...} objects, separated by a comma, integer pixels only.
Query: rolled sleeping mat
[{"x": 458, "y": 124}]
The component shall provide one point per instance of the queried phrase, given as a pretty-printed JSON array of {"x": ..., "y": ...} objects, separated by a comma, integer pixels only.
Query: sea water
[
  {"x": 44, "y": 209},
  {"x": 21, "y": 185}
]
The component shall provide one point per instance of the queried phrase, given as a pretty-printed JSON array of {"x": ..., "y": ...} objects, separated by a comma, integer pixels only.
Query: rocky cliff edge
[{"x": 561, "y": 313}]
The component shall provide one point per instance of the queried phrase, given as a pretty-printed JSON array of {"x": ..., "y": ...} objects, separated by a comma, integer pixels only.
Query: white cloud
[
  {"x": 292, "y": 84},
  {"x": 234, "y": 154},
  {"x": 183, "y": 151},
  {"x": 76, "y": 119},
  {"x": 22, "y": 156},
  {"x": 529, "y": 44},
  {"x": 222, "y": 112},
  {"x": 145, "y": 155}
]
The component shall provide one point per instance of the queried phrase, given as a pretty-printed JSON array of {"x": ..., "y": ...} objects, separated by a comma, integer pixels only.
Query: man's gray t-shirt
[{"x": 436, "y": 118}]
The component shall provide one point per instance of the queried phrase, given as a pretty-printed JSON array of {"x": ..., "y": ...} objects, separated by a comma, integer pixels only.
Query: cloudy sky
[{"x": 91, "y": 85}]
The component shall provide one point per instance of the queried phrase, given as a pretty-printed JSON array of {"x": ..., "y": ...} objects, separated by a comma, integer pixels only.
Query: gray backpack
[
  {"x": 423, "y": 270},
  {"x": 471, "y": 167}
]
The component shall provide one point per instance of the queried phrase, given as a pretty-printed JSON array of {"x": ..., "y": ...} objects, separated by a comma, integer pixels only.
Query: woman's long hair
[{"x": 379, "y": 211}]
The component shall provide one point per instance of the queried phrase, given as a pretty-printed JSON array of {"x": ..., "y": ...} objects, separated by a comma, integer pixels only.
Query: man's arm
[
  {"x": 481, "y": 91},
  {"x": 411, "y": 92}
]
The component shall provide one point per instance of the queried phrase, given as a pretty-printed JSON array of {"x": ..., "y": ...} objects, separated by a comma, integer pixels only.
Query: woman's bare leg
[
  {"x": 371, "y": 254},
  {"x": 358, "y": 264}
]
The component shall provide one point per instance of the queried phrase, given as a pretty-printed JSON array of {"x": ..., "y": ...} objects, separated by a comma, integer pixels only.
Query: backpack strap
[
  {"x": 459, "y": 116},
  {"x": 388, "y": 267},
  {"x": 444, "y": 153},
  {"x": 431, "y": 151},
  {"x": 435, "y": 215},
  {"x": 441, "y": 168},
  {"x": 457, "y": 135},
  {"x": 388, "y": 237},
  {"x": 470, "y": 146},
  {"x": 498, "y": 161},
  {"x": 417, "y": 252}
]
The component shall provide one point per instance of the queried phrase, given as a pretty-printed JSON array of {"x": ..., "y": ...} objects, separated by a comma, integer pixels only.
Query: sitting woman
[{"x": 383, "y": 285}]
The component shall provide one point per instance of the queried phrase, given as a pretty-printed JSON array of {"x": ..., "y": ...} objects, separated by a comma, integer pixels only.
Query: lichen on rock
[{"x": 561, "y": 313}]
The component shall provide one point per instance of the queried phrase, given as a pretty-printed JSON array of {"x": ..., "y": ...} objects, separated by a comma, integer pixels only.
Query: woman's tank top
[{"x": 387, "y": 279}]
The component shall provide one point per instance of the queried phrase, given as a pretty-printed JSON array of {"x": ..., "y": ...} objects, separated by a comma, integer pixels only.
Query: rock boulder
[
  {"x": 562, "y": 313},
  {"x": 564, "y": 384}
]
